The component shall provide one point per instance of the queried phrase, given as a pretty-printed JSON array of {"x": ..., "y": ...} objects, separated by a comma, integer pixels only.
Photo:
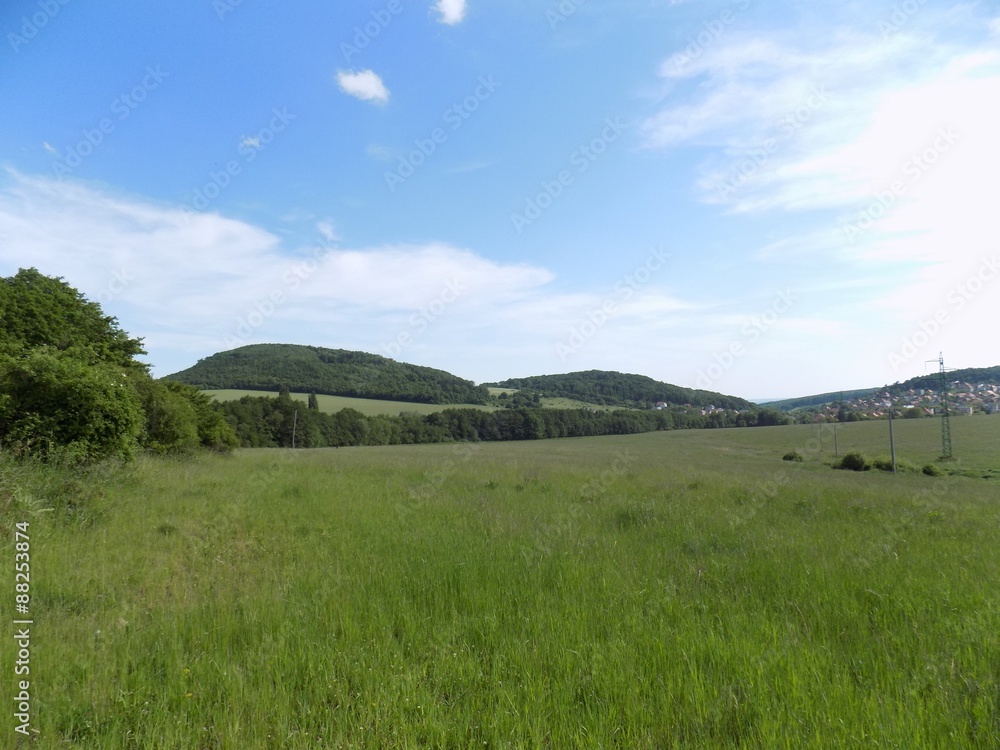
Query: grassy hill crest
[
  {"x": 333, "y": 372},
  {"x": 609, "y": 388}
]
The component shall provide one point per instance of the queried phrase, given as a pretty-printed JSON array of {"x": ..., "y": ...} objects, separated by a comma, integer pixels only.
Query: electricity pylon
[{"x": 945, "y": 416}]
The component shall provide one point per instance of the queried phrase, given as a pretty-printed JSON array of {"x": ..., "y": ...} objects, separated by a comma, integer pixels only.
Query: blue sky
[{"x": 762, "y": 199}]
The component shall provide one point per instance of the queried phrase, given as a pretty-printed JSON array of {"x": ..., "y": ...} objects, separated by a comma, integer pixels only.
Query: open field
[
  {"x": 569, "y": 403},
  {"x": 372, "y": 407},
  {"x": 367, "y": 406},
  {"x": 670, "y": 590}
]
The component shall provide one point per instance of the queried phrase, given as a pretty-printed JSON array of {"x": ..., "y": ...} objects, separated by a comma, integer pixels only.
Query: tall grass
[{"x": 670, "y": 590}]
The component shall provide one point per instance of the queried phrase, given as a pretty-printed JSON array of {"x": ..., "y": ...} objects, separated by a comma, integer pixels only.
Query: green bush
[
  {"x": 792, "y": 456},
  {"x": 932, "y": 471},
  {"x": 53, "y": 404},
  {"x": 853, "y": 461},
  {"x": 171, "y": 422}
]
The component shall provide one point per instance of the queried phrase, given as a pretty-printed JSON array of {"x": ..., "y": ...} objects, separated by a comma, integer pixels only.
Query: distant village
[{"x": 962, "y": 399}]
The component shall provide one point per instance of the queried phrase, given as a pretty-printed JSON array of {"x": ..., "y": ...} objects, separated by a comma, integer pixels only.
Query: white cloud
[
  {"x": 909, "y": 118},
  {"x": 328, "y": 231},
  {"x": 186, "y": 283},
  {"x": 451, "y": 11},
  {"x": 50, "y": 148},
  {"x": 364, "y": 85},
  {"x": 250, "y": 141}
]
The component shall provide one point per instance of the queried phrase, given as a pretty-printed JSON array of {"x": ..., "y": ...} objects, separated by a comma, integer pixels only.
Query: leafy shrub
[
  {"x": 54, "y": 403},
  {"x": 792, "y": 456},
  {"x": 932, "y": 471},
  {"x": 853, "y": 461},
  {"x": 884, "y": 463}
]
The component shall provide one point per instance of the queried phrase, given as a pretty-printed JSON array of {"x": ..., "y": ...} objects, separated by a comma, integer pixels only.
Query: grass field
[
  {"x": 372, "y": 407},
  {"x": 367, "y": 406},
  {"x": 669, "y": 590}
]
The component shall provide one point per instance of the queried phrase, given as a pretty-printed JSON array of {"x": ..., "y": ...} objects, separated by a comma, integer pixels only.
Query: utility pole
[
  {"x": 892, "y": 441},
  {"x": 295, "y": 424}
]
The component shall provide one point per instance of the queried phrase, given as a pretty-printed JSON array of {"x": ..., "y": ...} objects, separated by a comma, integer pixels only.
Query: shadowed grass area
[{"x": 680, "y": 589}]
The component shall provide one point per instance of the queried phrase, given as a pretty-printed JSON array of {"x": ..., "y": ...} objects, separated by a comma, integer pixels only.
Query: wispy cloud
[
  {"x": 50, "y": 148},
  {"x": 451, "y": 11},
  {"x": 365, "y": 85},
  {"x": 328, "y": 231},
  {"x": 791, "y": 126},
  {"x": 191, "y": 280}
]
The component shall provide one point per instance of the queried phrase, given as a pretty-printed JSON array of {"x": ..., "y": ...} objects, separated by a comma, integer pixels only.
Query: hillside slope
[
  {"x": 620, "y": 389},
  {"x": 334, "y": 372}
]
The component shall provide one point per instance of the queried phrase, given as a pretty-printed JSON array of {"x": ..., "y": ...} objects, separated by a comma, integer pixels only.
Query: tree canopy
[{"x": 72, "y": 389}]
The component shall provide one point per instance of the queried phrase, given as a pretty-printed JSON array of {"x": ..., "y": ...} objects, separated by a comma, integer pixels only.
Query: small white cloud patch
[
  {"x": 452, "y": 11},
  {"x": 364, "y": 85}
]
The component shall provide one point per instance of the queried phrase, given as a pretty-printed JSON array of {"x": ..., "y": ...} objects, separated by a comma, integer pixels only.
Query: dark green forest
[
  {"x": 620, "y": 389},
  {"x": 266, "y": 422},
  {"x": 333, "y": 372}
]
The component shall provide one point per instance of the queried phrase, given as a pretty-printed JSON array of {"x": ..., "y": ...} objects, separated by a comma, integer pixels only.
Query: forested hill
[
  {"x": 931, "y": 382},
  {"x": 335, "y": 372},
  {"x": 619, "y": 389}
]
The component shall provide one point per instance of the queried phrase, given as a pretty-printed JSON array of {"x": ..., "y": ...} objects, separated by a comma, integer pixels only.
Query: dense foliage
[
  {"x": 620, "y": 389},
  {"x": 263, "y": 422},
  {"x": 334, "y": 372},
  {"x": 52, "y": 403},
  {"x": 39, "y": 311},
  {"x": 72, "y": 389}
]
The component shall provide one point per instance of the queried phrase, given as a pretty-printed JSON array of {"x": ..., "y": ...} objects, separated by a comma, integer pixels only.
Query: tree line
[{"x": 269, "y": 422}]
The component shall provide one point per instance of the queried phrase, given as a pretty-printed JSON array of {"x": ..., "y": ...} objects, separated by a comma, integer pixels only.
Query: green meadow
[
  {"x": 680, "y": 589},
  {"x": 374, "y": 407}
]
